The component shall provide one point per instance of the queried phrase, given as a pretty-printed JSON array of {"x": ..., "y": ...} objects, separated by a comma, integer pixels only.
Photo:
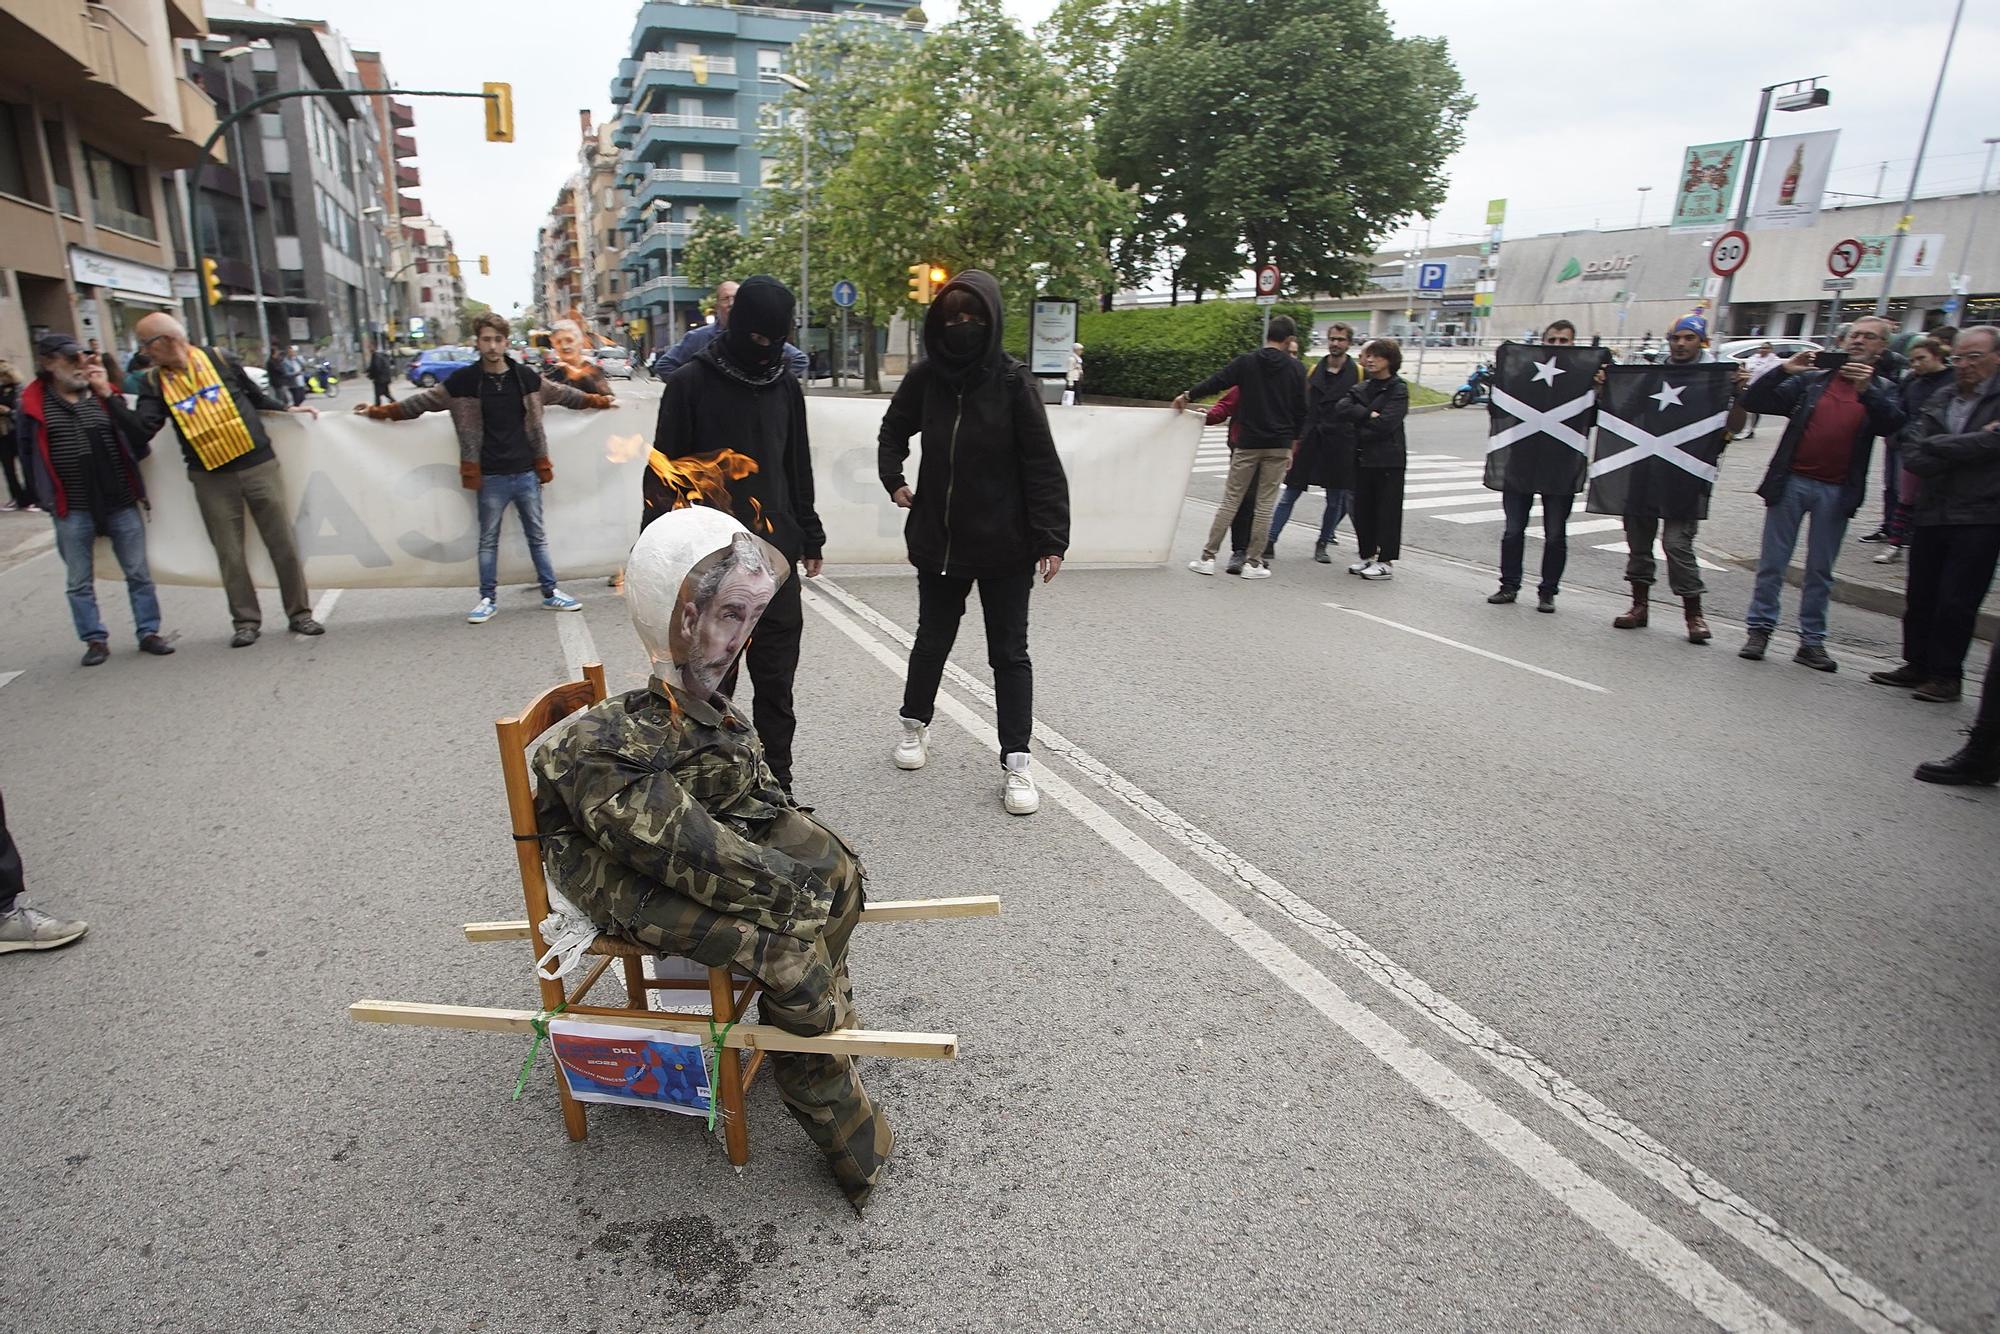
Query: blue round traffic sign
[{"x": 843, "y": 294}]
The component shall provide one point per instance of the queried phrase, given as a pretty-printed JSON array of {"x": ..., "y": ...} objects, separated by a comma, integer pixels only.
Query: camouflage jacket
[{"x": 654, "y": 793}]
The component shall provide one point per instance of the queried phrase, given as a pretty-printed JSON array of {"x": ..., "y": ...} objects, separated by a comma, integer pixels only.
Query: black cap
[{"x": 57, "y": 345}]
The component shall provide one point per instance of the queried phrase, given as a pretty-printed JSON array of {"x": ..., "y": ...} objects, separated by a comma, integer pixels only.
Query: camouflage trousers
[{"x": 806, "y": 991}]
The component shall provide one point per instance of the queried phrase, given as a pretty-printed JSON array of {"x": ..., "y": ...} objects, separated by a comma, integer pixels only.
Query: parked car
[
  {"x": 615, "y": 362},
  {"x": 434, "y": 363},
  {"x": 1740, "y": 350}
]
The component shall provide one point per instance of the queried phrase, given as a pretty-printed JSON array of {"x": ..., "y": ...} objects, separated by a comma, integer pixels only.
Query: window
[
  {"x": 270, "y": 125},
  {"x": 427, "y": 295},
  {"x": 769, "y": 62},
  {"x": 284, "y": 213},
  {"x": 55, "y": 146},
  {"x": 292, "y": 282},
  {"x": 14, "y": 158},
  {"x": 117, "y": 195},
  {"x": 693, "y": 163}
]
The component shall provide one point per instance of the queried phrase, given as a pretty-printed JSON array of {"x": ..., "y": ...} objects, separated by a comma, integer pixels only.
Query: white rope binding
[{"x": 568, "y": 933}]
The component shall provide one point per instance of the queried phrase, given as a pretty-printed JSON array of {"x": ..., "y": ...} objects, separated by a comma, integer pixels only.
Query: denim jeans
[
  {"x": 1555, "y": 539},
  {"x": 76, "y": 539},
  {"x": 1336, "y": 510},
  {"x": 524, "y": 493},
  {"x": 1823, "y": 501}
]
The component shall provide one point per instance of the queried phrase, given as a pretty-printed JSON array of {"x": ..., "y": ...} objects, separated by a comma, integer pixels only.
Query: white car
[
  {"x": 615, "y": 363},
  {"x": 1740, "y": 350},
  {"x": 258, "y": 377}
]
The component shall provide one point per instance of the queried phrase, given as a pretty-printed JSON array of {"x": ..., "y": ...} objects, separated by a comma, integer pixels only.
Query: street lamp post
[
  {"x": 243, "y": 196},
  {"x": 1972, "y": 228},
  {"x": 805, "y": 216},
  {"x": 1895, "y": 255},
  {"x": 1641, "y": 221},
  {"x": 1809, "y": 96}
]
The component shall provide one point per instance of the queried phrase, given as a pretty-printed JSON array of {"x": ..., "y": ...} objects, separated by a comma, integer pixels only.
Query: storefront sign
[{"x": 93, "y": 269}]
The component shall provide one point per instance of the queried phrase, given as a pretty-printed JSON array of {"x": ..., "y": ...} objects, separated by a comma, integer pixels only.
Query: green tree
[
  {"x": 1294, "y": 132},
  {"x": 715, "y": 250},
  {"x": 468, "y": 311}
]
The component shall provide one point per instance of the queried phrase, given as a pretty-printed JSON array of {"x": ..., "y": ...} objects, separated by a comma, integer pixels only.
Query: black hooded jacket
[
  {"x": 1271, "y": 408},
  {"x": 991, "y": 497},
  {"x": 712, "y": 405}
]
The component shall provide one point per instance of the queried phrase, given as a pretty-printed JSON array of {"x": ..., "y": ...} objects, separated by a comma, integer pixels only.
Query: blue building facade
[{"x": 694, "y": 97}]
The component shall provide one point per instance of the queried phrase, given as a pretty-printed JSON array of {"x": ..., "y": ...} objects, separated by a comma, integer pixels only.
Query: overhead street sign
[
  {"x": 1726, "y": 256},
  {"x": 1836, "y": 284},
  {"x": 1845, "y": 257},
  {"x": 1269, "y": 280}
]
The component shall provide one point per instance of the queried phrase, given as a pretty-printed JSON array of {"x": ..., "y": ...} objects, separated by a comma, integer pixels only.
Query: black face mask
[
  {"x": 963, "y": 342},
  {"x": 762, "y": 306},
  {"x": 748, "y": 353}
]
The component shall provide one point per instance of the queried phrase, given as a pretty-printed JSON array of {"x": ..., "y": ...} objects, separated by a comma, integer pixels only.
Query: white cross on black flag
[
  {"x": 1544, "y": 403},
  {"x": 1659, "y": 435}
]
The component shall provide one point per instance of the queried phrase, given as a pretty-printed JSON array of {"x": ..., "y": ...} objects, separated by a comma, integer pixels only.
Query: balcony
[
  {"x": 408, "y": 177},
  {"x": 405, "y": 146},
  {"x": 49, "y": 36},
  {"x": 401, "y": 114},
  {"x": 667, "y": 183},
  {"x": 185, "y": 19},
  {"x": 657, "y": 238},
  {"x": 663, "y": 74},
  {"x": 409, "y": 205},
  {"x": 658, "y": 133},
  {"x": 198, "y": 118}
]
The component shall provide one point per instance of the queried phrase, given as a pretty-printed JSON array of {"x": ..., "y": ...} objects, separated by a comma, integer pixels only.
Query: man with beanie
[
  {"x": 1820, "y": 469},
  {"x": 503, "y": 452},
  {"x": 732, "y": 435},
  {"x": 991, "y": 508}
]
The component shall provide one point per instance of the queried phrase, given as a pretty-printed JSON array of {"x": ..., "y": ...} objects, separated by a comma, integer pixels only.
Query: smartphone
[{"x": 1829, "y": 361}]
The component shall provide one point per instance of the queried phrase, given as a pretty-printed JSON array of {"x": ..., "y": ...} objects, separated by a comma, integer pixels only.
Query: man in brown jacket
[{"x": 503, "y": 453}]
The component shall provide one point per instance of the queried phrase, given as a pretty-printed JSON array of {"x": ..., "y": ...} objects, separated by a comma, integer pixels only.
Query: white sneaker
[
  {"x": 914, "y": 747},
  {"x": 1890, "y": 556},
  {"x": 1360, "y": 566},
  {"x": 1205, "y": 565},
  {"x": 1018, "y": 793},
  {"x": 1379, "y": 570},
  {"x": 1257, "y": 570},
  {"x": 24, "y": 928}
]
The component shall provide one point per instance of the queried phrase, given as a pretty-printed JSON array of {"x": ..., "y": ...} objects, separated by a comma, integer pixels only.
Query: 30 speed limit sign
[
  {"x": 1268, "y": 280},
  {"x": 1726, "y": 256}
]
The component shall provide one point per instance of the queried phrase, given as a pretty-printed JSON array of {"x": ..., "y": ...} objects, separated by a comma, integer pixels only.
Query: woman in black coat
[
  {"x": 1376, "y": 408},
  {"x": 1325, "y": 456}
]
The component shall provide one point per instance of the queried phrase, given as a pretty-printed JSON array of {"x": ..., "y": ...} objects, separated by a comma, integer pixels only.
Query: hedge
[{"x": 1155, "y": 352}]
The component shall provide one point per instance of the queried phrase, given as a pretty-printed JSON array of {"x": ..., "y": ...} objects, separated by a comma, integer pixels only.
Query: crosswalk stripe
[
  {"x": 1480, "y": 497},
  {"x": 1624, "y": 550},
  {"x": 1426, "y": 488}
]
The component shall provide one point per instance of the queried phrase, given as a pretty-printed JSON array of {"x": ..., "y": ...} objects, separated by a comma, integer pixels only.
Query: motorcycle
[
  {"x": 321, "y": 378},
  {"x": 1478, "y": 387}
]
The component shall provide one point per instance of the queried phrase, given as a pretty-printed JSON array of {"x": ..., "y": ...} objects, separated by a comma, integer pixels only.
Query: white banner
[
  {"x": 1791, "y": 180},
  {"x": 379, "y": 505}
]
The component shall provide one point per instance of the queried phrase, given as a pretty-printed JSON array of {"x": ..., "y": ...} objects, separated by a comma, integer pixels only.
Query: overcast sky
[{"x": 1578, "y": 106}]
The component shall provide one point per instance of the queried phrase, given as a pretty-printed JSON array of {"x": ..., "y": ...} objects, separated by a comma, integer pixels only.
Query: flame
[
  {"x": 702, "y": 479},
  {"x": 624, "y": 448},
  {"x": 758, "y": 523}
]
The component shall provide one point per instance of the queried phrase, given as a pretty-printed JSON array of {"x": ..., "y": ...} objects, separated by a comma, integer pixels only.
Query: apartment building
[
  {"x": 98, "y": 114},
  {"x": 435, "y": 295},
  {"x": 397, "y": 175}
]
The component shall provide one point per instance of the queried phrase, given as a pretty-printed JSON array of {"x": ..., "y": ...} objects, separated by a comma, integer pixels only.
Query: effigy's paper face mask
[{"x": 697, "y": 581}]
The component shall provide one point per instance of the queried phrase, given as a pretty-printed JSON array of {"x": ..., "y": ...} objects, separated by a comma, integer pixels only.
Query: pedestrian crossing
[{"x": 1443, "y": 487}]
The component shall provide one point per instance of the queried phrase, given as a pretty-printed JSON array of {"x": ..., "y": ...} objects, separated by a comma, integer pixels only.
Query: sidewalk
[{"x": 1733, "y": 534}]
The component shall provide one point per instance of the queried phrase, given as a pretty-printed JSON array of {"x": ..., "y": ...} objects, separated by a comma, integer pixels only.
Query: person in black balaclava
[
  {"x": 732, "y": 436},
  {"x": 991, "y": 507}
]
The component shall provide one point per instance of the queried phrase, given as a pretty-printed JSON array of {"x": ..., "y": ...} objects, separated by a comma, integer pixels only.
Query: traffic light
[
  {"x": 499, "y": 112},
  {"x": 453, "y": 261},
  {"x": 210, "y": 284},
  {"x": 485, "y": 269},
  {"x": 926, "y": 280}
]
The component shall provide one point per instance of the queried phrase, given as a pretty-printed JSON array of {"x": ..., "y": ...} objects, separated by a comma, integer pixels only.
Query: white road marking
[
  {"x": 577, "y": 645},
  {"x": 1842, "y": 1290},
  {"x": 1427, "y": 488},
  {"x": 1479, "y": 497},
  {"x": 5, "y": 677},
  {"x": 1470, "y": 648},
  {"x": 324, "y": 607},
  {"x": 34, "y": 542},
  {"x": 1658, "y": 1252},
  {"x": 1474, "y": 516}
]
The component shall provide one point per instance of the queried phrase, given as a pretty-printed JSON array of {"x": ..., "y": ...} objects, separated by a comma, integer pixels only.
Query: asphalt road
[{"x": 1378, "y": 960}]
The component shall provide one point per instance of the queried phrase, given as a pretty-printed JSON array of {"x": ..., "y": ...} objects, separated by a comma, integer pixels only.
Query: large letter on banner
[
  {"x": 1544, "y": 404},
  {"x": 1660, "y": 433},
  {"x": 378, "y": 504}
]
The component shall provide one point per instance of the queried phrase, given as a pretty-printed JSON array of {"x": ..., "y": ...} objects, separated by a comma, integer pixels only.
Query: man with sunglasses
[
  {"x": 83, "y": 446},
  {"x": 1820, "y": 469}
]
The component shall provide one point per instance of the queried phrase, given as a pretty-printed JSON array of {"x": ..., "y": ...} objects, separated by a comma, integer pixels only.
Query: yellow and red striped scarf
[{"x": 205, "y": 411}]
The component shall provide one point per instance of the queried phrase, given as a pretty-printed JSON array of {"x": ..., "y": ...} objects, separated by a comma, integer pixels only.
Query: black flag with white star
[
  {"x": 1544, "y": 404},
  {"x": 1659, "y": 435}
]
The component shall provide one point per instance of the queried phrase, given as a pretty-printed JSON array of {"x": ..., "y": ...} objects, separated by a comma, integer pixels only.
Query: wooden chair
[{"x": 728, "y": 995}]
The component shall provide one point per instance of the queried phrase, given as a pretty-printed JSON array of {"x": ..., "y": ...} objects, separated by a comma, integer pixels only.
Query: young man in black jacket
[
  {"x": 1270, "y": 416},
  {"x": 380, "y": 372},
  {"x": 732, "y": 435},
  {"x": 991, "y": 507}
]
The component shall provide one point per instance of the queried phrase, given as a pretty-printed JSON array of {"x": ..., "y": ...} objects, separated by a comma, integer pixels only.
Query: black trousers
[
  {"x": 11, "y": 881},
  {"x": 382, "y": 393},
  {"x": 773, "y": 659},
  {"x": 15, "y": 468},
  {"x": 1003, "y": 601},
  {"x": 1378, "y": 513},
  {"x": 1951, "y": 567}
]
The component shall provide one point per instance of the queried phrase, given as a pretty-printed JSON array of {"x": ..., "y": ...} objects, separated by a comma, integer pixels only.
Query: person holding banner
[
  {"x": 503, "y": 453},
  {"x": 1543, "y": 407},
  {"x": 1820, "y": 469},
  {"x": 213, "y": 406}
]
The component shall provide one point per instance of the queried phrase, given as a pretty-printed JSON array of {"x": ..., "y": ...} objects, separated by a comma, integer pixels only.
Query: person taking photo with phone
[{"x": 1837, "y": 404}]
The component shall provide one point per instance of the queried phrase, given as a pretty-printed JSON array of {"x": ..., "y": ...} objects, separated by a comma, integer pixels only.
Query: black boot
[
  {"x": 1976, "y": 764},
  {"x": 1319, "y": 554}
]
